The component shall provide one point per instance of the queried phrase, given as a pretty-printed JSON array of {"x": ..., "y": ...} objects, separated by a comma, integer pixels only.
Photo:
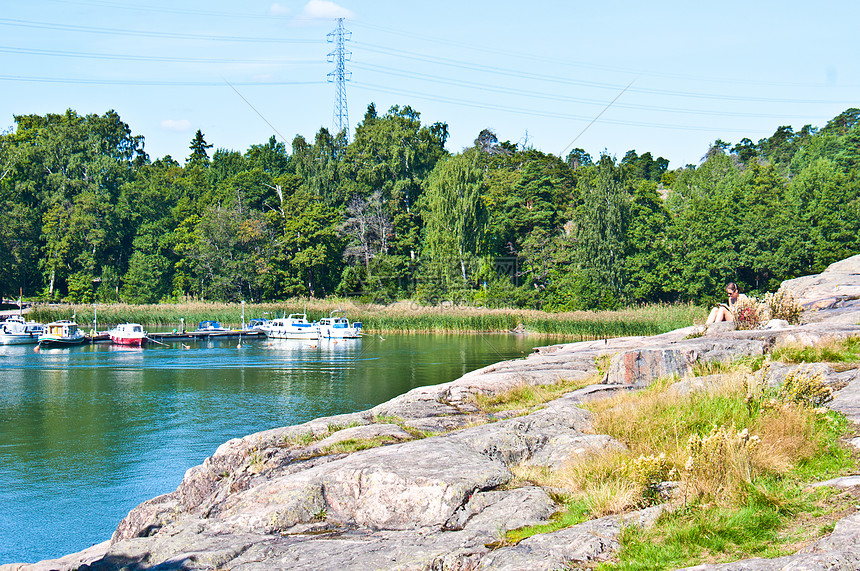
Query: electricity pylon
[{"x": 339, "y": 36}]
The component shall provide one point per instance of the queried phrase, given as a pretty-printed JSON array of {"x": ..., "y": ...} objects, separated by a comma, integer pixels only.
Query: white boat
[
  {"x": 128, "y": 334},
  {"x": 60, "y": 333},
  {"x": 16, "y": 331},
  {"x": 338, "y": 327},
  {"x": 296, "y": 326}
]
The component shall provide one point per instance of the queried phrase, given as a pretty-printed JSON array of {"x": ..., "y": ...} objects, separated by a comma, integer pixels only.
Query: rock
[
  {"x": 839, "y": 279},
  {"x": 366, "y": 432},
  {"x": 832, "y": 295},
  {"x": 280, "y": 499},
  {"x": 639, "y": 367},
  {"x": 843, "y": 482},
  {"x": 698, "y": 384},
  {"x": 590, "y": 541},
  {"x": 777, "y": 324},
  {"x": 68, "y": 563},
  {"x": 503, "y": 510},
  {"x": 847, "y": 399},
  {"x": 720, "y": 327}
]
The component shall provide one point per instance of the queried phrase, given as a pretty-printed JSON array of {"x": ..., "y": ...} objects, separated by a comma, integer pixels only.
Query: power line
[
  {"x": 602, "y": 111},
  {"x": 134, "y": 57},
  {"x": 483, "y": 87},
  {"x": 554, "y": 79},
  {"x": 147, "y": 34},
  {"x": 80, "y": 81},
  {"x": 535, "y": 112}
]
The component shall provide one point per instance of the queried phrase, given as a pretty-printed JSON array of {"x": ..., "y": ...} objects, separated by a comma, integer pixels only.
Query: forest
[{"x": 87, "y": 216}]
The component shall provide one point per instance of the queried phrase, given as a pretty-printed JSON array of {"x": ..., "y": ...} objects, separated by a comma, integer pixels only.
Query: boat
[
  {"x": 210, "y": 326},
  {"x": 61, "y": 333},
  {"x": 295, "y": 326},
  {"x": 16, "y": 331},
  {"x": 258, "y": 324},
  {"x": 332, "y": 327},
  {"x": 128, "y": 334}
]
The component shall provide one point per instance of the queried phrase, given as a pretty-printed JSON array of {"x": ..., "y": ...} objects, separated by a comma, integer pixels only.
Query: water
[{"x": 87, "y": 433}]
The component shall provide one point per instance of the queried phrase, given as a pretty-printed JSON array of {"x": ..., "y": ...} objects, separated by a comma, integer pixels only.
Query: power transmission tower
[{"x": 339, "y": 36}]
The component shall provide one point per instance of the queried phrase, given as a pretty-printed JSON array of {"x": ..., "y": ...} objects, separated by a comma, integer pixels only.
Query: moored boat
[
  {"x": 296, "y": 326},
  {"x": 210, "y": 326},
  {"x": 16, "y": 331},
  {"x": 128, "y": 334},
  {"x": 258, "y": 324},
  {"x": 338, "y": 327},
  {"x": 61, "y": 333}
]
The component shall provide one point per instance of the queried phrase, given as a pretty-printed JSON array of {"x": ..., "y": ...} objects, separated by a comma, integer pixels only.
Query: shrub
[
  {"x": 720, "y": 467},
  {"x": 750, "y": 313},
  {"x": 782, "y": 305},
  {"x": 804, "y": 389}
]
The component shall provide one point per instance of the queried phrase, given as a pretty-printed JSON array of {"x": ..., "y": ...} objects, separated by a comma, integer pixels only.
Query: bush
[
  {"x": 750, "y": 313},
  {"x": 782, "y": 305},
  {"x": 808, "y": 390},
  {"x": 720, "y": 467}
]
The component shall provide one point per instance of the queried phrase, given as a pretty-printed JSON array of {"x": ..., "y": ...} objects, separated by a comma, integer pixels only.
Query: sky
[{"x": 663, "y": 77}]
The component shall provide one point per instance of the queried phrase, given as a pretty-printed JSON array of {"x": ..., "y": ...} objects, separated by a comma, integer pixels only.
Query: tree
[
  {"x": 579, "y": 158},
  {"x": 306, "y": 257},
  {"x": 601, "y": 226},
  {"x": 454, "y": 216},
  {"x": 198, "y": 146}
]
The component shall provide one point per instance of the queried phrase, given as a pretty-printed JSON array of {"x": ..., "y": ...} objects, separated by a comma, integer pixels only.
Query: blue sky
[{"x": 681, "y": 74}]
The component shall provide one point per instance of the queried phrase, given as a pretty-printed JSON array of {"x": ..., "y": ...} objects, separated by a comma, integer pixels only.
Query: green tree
[
  {"x": 454, "y": 217},
  {"x": 199, "y": 154},
  {"x": 601, "y": 227}
]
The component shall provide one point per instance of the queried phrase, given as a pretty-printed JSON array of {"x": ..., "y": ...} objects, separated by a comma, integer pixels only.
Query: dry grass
[
  {"x": 398, "y": 317},
  {"x": 787, "y": 434}
]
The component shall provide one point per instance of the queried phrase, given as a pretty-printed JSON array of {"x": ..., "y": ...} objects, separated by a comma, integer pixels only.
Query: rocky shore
[{"x": 436, "y": 491}]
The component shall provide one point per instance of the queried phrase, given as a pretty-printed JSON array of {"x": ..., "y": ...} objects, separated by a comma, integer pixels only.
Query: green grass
[
  {"x": 771, "y": 525},
  {"x": 402, "y": 317},
  {"x": 355, "y": 444},
  {"x": 845, "y": 350},
  {"x": 734, "y": 501},
  {"x": 573, "y": 513},
  {"x": 526, "y": 396}
]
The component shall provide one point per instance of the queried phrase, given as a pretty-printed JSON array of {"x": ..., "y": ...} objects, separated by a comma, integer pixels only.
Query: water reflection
[{"x": 87, "y": 433}]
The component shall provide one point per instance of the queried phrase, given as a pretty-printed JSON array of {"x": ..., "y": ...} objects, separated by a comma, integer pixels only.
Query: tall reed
[{"x": 402, "y": 317}]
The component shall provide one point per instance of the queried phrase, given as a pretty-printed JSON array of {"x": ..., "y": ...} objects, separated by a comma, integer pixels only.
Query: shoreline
[
  {"x": 432, "y": 490},
  {"x": 441, "y": 409}
]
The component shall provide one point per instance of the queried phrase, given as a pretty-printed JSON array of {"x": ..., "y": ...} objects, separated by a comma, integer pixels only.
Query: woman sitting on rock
[{"x": 726, "y": 312}]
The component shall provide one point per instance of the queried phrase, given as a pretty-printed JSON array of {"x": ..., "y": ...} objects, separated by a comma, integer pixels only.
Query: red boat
[{"x": 128, "y": 334}]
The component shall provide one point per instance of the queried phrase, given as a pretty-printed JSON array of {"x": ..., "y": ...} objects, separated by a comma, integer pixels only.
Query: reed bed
[{"x": 401, "y": 317}]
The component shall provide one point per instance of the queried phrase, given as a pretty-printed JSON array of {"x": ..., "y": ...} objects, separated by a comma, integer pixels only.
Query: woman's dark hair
[{"x": 732, "y": 286}]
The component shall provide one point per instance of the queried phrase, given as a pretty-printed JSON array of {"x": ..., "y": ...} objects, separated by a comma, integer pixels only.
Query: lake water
[{"x": 87, "y": 433}]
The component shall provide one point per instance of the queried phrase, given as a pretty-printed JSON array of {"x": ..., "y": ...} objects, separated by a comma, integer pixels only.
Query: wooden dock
[{"x": 188, "y": 335}]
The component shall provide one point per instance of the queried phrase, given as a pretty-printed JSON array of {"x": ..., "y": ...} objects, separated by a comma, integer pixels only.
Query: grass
[
  {"x": 741, "y": 458},
  {"x": 401, "y": 317},
  {"x": 846, "y": 350},
  {"x": 525, "y": 396},
  {"x": 355, "y": 444},
  {"x": 699, "y": 534}
]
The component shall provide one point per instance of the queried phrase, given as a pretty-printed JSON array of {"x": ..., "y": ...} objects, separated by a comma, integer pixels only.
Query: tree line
[{"x": 87, "y": 216}]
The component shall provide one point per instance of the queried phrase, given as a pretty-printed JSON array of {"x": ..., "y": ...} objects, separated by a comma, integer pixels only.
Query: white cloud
[
  {"x": 324, "y": 9},
  {"x": 178, "y": 125},
  {"x": 278, "y": 10}
]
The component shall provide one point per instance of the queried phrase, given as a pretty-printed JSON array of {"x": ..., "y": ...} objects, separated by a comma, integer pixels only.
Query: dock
[{"x": 103, "y": 336}]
